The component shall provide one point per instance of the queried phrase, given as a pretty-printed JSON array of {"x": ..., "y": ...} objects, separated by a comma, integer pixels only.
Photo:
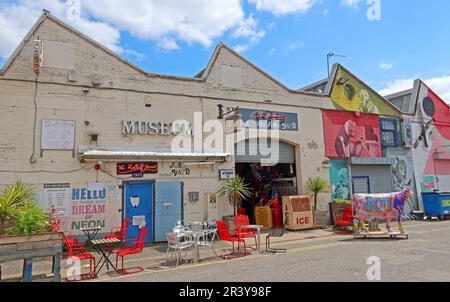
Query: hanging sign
[
  {"x": 227, "y": 174},
  {"x": 137, "y": 169},
  {"x": 408, "y": 136}
]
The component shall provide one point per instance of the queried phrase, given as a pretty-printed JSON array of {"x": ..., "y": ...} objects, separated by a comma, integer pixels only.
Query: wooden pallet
[{"x": 391, "y": 235}]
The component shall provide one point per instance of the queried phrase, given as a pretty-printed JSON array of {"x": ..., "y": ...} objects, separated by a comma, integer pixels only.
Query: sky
[{"x": 386, "y": 43}]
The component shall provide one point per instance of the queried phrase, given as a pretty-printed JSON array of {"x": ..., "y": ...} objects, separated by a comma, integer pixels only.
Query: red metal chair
[
  {"x": 242, "y": 220},
  {"x": 79, "y": 252},
  {"x": 138, "y": 247},
  {"x": 119, "y": 233},
  {"x": 344, "y": 220},
  {"x": 224, "y": 235}
]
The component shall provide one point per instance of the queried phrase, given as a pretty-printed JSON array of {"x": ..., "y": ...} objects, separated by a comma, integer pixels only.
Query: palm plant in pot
[
  {"x": 236, "y": 190},
  {"x": 318, "y": 186},
  {"x": 13, "y": 199}
]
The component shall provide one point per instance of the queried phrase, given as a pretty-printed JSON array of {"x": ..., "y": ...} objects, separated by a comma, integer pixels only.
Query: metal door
[
  {"x": 168, "y": 208},
  {"x": 361, "y": 184},
  {"x": 139, "y": 208}
]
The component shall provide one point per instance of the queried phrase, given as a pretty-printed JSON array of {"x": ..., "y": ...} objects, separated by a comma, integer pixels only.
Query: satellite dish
[{"x": 428, "y": 106}]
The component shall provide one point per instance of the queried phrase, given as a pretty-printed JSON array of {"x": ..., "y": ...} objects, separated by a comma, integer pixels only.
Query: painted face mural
[
  {"x": 350, "y": 136},
  {"x": 434, "y": 145}
]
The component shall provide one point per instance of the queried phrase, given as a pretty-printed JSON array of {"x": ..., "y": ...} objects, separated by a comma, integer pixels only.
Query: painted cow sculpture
[{"x": 380, "y": 206}]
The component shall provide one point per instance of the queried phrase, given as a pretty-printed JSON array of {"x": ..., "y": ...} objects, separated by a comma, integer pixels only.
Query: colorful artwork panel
[
  {"x": 351, "y": 94},
  {"x": 339, "y": 179},
  {"x": 348, "y": 135}
]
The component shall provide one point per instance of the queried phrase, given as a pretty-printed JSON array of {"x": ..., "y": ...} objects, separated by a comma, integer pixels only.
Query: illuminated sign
[{"x": 136, "y": 169}]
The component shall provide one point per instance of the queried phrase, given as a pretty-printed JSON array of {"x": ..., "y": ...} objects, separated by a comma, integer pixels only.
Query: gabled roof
[
  {"x": 329, "y": 82},
  {"x": 202, "y": 76}
]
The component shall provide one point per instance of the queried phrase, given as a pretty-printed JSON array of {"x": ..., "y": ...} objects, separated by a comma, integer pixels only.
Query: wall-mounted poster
[
  {"x": 58, "y": 196},
  {"x": 58, "y": 135},
  {"x": 349, "y": 135}
]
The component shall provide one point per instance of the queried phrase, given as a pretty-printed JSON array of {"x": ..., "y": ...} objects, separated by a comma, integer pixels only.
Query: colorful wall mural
[
  {"x": 403, "y": 175},
  {"x": 339, "y": 179},
  {"x": 348, "y": 135},
  {"x": 432, "y": 142},
  {"x": 351, "y": 94}
]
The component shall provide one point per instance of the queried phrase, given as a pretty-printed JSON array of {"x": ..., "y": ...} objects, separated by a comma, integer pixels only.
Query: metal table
[
  {"x": 105, "y": 247},
  {"x": 195, "y": 235},
  {"x": 256, "y": 228},
  {"x": 91, "y": 232}
]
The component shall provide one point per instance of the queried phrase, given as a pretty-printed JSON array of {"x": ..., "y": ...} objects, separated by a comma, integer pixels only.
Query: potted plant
[
  {"x": 25, "y": 224},
  {"x": 236, "y": 190},
  {"x": 13, "y": 198},
  {"x": 318, "y": 186}
]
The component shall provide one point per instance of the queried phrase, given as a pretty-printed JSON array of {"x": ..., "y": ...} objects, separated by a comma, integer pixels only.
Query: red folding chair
[
  {"x": 242, "y": 220},
  {"x": 224, "y": 235},
  {"x": 137, "y": 248},
  {"x": 119, "y": 233},
  {"x": 344, "y": 220},
  {"x": 79, "y": 252}
]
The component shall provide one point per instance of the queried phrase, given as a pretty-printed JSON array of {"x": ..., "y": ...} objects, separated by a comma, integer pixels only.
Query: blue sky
[{"x": 289, "y": 40}]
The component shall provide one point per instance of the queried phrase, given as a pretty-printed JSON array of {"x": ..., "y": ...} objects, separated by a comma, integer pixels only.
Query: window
[{"x": 389, "y": 133}]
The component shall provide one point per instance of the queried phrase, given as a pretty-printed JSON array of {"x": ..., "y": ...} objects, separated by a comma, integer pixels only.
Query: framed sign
[
  {"x": 262, "y": 119},
  {"x": 137, "y": 169},
  {"x": 58, "y": 135},
  {"x": 227, "y": 174}
]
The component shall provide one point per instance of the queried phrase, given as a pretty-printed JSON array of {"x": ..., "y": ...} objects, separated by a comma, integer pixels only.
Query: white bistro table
[
  {"x": 257, "y": 228},
  {"x": 195, "y": 235}
]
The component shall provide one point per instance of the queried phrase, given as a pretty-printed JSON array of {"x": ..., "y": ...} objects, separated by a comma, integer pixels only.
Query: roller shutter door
[
  {"x": 379, "y": 177},
  {"x": 248, "y": 152}
]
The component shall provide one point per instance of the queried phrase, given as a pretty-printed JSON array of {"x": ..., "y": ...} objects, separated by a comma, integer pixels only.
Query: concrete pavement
[{"x": 317, "y": 255}]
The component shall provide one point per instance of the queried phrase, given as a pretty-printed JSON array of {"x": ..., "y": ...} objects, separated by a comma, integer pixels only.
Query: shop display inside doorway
[{"x": 269, "y": 184}]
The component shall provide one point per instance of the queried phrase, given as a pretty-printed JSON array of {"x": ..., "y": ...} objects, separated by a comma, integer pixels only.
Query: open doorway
[{"x": 266, "y": 183}]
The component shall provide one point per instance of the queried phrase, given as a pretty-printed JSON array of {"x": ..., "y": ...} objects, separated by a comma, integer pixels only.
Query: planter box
[
  {"x": 338, "y": 208},
  {"x": 320, "y": 219},
  {"x": 29, "y": 247}
]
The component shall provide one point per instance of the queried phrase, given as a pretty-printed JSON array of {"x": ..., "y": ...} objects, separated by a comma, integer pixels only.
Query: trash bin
[{"x": 436, "y": 204}]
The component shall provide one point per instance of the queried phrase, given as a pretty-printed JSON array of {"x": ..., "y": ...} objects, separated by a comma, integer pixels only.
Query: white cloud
[
  {"x": 193, "y": 21},
  {"x": 19, "y": 16},
  {"x": 168, "y": 44},
  {"x": 295, "y": 45},
  {"x": 242, "y": 48},
  {"x": 249, "y": 30},
  {"x": 440, "y": 85},
  {"x": 167, "y": 22},
  {"x": 283, "y": 7},
  {"x": 350, "y": 3},
  {"x": 386, "y": 66}
]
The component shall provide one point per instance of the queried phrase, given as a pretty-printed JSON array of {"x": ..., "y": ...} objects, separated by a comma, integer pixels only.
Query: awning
[{"x": 132, "y": 153}]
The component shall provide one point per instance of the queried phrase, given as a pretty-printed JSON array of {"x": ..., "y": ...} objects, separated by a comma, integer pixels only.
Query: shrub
[{"x": 29, "y": 220}]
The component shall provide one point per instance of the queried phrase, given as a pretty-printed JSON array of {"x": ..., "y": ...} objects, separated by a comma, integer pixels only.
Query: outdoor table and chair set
[{"x": 185, "y": 237}]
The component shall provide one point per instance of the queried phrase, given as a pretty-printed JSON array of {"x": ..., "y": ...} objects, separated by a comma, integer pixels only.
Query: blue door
[
  {"x": 168, "y": 208},
  {"x": 139, "y": 208}
]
